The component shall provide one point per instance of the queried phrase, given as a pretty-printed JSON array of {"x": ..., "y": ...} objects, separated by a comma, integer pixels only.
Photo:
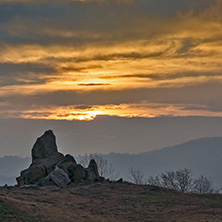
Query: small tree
[
  {"x": 104, "y": 167},
  {"x": 184, "y": 180},
  {"x": 180, "y": 180},
  {"x": 136, "y": 175},
  {"x": 203, "y": 185},
  {"x": 154, "y": 181},
  {"x": 168, "y": 180}
]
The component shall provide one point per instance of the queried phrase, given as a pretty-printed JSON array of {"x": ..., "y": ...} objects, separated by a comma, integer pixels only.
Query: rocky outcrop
[{"x": 50, "y": 167}]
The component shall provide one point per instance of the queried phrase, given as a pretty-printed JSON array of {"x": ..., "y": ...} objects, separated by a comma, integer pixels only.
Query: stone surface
[
  {"x": 69, "y": 158},
  {"x": 50, "y": 162},
  {"x": 92, "y": 170},
  {"x": 68, "y": 165},
  {"x": 44, "y": 146},
  {"x": 80, "y": 174},
  {"x": 31, "y": 175},
  {"x": 69, "y": 168},
  {"x": 58, "y": 177}
]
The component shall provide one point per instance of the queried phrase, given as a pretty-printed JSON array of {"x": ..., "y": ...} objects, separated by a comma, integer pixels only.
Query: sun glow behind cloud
[
  {"x": 142, "y": 109},
  {"x": 130, "y": 50}
]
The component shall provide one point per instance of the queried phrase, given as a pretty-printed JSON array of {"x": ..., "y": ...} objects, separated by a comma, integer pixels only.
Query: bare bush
[
  {"x": 154, "y": 181},
  {"x": 168, "y": 180},
  {"x": 136, "y": 175},
  {"x": 182, "y": 181},
  {"x": 203, "y": 185}
]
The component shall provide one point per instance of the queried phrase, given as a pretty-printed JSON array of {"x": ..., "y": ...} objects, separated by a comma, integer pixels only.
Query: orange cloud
[
  {"x": 149, "y": 51},
  {"x": 142, "y": 109}
]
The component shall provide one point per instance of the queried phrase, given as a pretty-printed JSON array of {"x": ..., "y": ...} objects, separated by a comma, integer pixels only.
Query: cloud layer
[{"x": 124, "y": 58}]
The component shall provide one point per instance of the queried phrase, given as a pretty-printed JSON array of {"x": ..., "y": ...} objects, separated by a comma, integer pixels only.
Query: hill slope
[
  {"x": 107, "y": 202},
  {"x": 202, "y": 156}
]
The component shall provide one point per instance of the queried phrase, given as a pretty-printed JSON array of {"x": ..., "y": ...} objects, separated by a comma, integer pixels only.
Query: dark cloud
[
  {"x": 179, "y": 75},
  {"x": 24, "y": 73},
  {"x": 78, "y": 44},
  {"x": 94, "y": 84},
  {"x": 189, "y": 96},
  {"x": 165, "y": 76},
  {"x": 13, "y": 68},
  {"x": 76, "y": 21},
  {"x": 75, "y": 69}
]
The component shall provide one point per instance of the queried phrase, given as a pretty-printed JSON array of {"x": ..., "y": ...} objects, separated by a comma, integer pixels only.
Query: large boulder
[
  {"x": 57, "y": 177},
  {"x": 68, "y": 165},
  {"x": 44, "y": 146},
  {"x": 80, "y": 174},
  {"x": 92, "y": 170},
  {"x": 50, "y": 162},
  {"x": 49, "y": 167},
  {"x": 31, "y": 175}
]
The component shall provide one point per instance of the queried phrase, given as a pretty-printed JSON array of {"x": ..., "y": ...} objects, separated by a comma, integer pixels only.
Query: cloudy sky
[{"x": 78, "y": 59}]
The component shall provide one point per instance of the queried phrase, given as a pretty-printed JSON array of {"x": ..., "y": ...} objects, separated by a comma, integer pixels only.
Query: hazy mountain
[{"x": 202, "y": 156}]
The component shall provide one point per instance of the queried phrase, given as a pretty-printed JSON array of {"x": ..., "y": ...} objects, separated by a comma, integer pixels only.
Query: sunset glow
[{"x": 141, "y": 59}]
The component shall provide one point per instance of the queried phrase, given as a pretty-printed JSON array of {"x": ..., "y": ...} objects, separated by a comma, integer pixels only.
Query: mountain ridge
[{"x": 203, "y": 156}]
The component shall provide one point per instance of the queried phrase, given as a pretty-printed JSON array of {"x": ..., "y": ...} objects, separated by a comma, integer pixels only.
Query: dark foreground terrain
[{"x": 107, "y": 202}]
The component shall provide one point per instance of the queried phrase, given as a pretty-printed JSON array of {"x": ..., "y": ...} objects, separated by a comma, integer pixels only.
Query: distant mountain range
[{"x": 202, "y": 156}]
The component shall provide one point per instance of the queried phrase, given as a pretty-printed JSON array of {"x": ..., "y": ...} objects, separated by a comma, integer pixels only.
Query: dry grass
[{"x": 107, "y": 202}]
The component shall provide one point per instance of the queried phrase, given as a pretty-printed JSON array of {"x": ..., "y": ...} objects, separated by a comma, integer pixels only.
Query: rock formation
[{"x": 50, "y": 167}]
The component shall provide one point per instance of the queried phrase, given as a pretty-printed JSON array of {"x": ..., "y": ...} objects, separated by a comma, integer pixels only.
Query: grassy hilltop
[{"x": 107, "y": 202}]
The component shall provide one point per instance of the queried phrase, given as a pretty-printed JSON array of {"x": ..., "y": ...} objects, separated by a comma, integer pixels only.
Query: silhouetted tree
[
  {"x": 136, "y": 175},
  {"x": 154, "y": 181},
  {"x": 203, "y": 185},
  {"x": 182, "y": 180},
  {"x": 169, "y": 180}
]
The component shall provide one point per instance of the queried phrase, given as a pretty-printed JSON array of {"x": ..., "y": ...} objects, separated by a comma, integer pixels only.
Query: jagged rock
[
  {"x": 44, "y": 146},
  {"x": 80, "y": 174},
  {"x": 39, "y": 169},
  {"x": 50, "y": 162},
  {"x": 49, "y": 167},
  {"x": 92, "y": 170},
  {"x": 31, "y": 175},
  {"x": 100, "y": 179},
  {"x": 68, "y": 165},
  {"x": 69, "y": 158},
  {"x": 120, "y": 180},
  {"x": 58, "y": 177}
]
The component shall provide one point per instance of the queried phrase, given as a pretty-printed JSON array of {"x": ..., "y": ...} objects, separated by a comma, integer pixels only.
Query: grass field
[{"x": 112, "y": 202}]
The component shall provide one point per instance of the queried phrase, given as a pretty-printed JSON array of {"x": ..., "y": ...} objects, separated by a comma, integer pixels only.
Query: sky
[{"x": 79, "y": 59}]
